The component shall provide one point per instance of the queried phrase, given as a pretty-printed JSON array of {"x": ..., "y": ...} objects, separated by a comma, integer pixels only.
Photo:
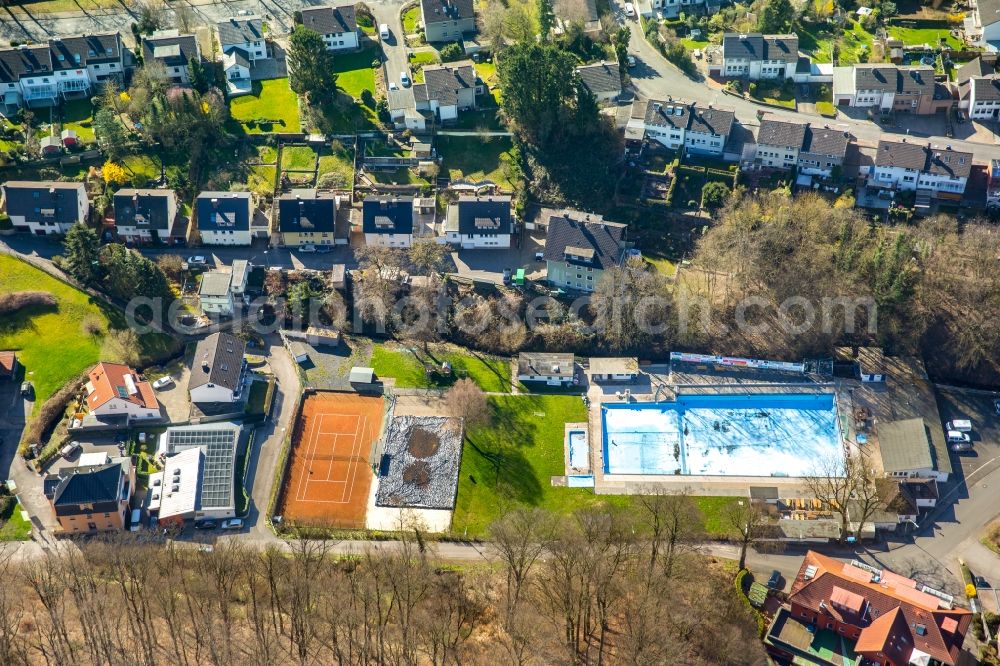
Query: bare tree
[
  {"x": 171, "y": 265},
  {"x": 427, "y": 256},
  {"x": 674, "y": 522},
  {"x": 748, "y": 519},
  {"x": 467, "y": 401}
]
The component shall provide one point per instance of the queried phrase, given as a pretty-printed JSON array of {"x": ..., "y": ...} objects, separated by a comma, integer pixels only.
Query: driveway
[{"x": 14, "y": 411}]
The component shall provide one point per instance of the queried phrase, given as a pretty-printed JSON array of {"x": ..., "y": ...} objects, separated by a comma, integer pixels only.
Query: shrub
[
  {"x": 752, "y": 89},
  {"x": 451, "y": 51},
  {"x": 16, "y": 300},
  {"x": 40, "y": 427},
  {"x": 714, "y": 194}
]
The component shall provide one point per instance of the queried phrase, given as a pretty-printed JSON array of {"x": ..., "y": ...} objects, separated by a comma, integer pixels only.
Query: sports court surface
[{"x": 330, "y": 471}]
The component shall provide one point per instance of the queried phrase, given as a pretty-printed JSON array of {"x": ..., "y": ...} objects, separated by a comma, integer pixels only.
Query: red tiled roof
[
  {"x": 7, "y": 361},
  {"x": 893, "y": 596},
  {"x": 108, "y": 382}
]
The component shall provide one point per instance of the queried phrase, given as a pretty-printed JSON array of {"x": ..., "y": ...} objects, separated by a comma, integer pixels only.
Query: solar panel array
[{"x": 218, "y": 447}]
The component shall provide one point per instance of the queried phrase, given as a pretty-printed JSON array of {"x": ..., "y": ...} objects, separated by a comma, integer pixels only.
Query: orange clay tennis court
[{"x": 329, "y": 474}]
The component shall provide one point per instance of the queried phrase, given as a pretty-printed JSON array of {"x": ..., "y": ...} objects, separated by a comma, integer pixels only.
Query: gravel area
[{"x": 420, "y": 464}]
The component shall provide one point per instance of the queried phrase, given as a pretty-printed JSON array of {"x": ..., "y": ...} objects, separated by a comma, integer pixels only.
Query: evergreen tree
[
  {"x": 776, "y": 17},
  {"x": 546, "y": 18},
  {"x": 201, "y": 77},
  {"x": 80, "y": 251},
  {"x": 310, "y": 66}
]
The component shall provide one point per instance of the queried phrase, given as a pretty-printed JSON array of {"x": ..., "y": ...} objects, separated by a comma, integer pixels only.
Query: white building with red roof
[{"x": 115, "y": 391}]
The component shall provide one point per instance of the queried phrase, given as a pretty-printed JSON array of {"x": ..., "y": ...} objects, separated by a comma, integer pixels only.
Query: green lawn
[
  {"x": 418, "y": 61},
  {"x": 819, "y": 43},
  {"x": 77, "y": 115},
  {"x": 475, "y": 159},
  {"x": 772, "y": 93},
  {"x": 355, "y": 73},
  {"x": 272, "y": 107},
  {"x": 492, "y": 375},
  {"x": 12, "y": 526},
  {"x": 51, "y": 343},
  {"x": 267, "y": 154},
  {"x": 261, "y": 179},
  {"x": 918, "y": 36},
  {"x": 299, "y": 158},
  {"x": 396, "y": 177},
  {"x": 410, "y": 19},
  {"x": 693, "y": 44},
  {"x": 487, "y": 71},
  {"x": 145, "y": 165},
  {"x": 341, "y": 163}
]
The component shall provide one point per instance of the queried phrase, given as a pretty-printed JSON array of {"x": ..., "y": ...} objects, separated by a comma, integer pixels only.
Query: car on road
[
  {"x": 205, "y": 524},
  {"x": 27, "y": 389},
  {"x": 232, "y": 524},
  {"x": 306, "y": 249},
  {"x": 774, "y": 582},
  {"x": 163, "y": 382},
  {"x": 507, "y": 272},
  {"x": 539, "y": 256},
  {"x": 959, "y": 441},
  {"x": 404, "y": 78},
  {"x": 393, "y": 86},
  {"x": 631, "y": 61}
]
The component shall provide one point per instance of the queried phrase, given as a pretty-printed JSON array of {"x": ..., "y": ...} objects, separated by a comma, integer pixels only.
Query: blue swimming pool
[
  {"x": 773, "y": 434},
  {"x": 579, "y": 451}
]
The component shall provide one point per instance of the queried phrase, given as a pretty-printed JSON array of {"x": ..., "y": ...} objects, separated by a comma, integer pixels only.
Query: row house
[
  {"x": 890, "y": 89},
  {"x": 677, "y": 124},
  {"x": 308, "y": 217},
  {"x": 45, "y": 208},
  {"x": 173, "y": 51},
  {"x": 904, "y": 165},
  {"x": 756, "y": 56},
  {"x": 781, "y": 144},
  {"x": 337, "y": 25},
  {"x": 447, "y": 20},
  {"x": 475, "y": 222},
  {"x": 41, "y": 75}
]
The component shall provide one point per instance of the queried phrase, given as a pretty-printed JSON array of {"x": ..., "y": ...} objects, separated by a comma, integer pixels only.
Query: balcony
[{"x": 39, "y": 93}]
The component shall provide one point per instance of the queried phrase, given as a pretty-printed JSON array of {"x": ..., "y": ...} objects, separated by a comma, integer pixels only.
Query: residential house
[
  {"x": 236, "y": 65},
  {"x": 387, "y": 221},
  {"x": 307, "y": 217},
  {"x": 602, "y": 79},
  {"x": 552, "y": 368},
  {"x": 218, "y": 372},
  {"x": 993, "y": 187},
  {"x": 889, "y": 88},
  {"x": 115, "y": 393},
  {"x": 907, "y": 452},
  {"x": 982, "y": 24},
  {"x": 579, "y": 247},
  {"x": 700, "y": 130},
  {"x": 900, "y": 501},
  {"x": 215, "y": 295},
  {"x": 475, "y": 222},
  {"x": 144, "y": 216},
  {"x": 823, "y": 150},
  {"x": 8, "y": 365},
  {"x": 756, "y": 56},
  {"x": 337, "y": 25},
  {"x": 92, "y": 498},
  {"x": 904, "y": 165},
  {"x": 174, "y": 51},
  {"x": 243, "y": 33},
  {"x": 198, "y": 477},
  {"x": 448, "y": 89},
  {"x": 984, "y": 98},
  {"x": 241, "y": 276},
  {"x": 876, "y": 614},
  {"x": 45, "y": 207},
  {"x": 224, "y": 217},
  {"x": 447, "y": 20},
  {"x": 671, "y": 9},
  {"x": 625, "y": 369},
  {"x": 577, "y": 12},
  {"x": 39, "y": 75},
  {"x": 779, "y": 142},
  {"x": 982, "y": 67}
]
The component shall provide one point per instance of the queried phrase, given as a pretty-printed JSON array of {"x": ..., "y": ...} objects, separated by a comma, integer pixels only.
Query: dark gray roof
[
  {"x": 601, "y": 77},
  {"x": 981, "y": 66},
  {"x": 951, "y": 163},
  {"x": 826, "y": 142},
  {"x": 663, "y": 114},
  {"x": 986, "y": 89},
  {"x": 717, "y": 122},
  {"x": 573, "y": 239},
  {"x": 307, "y": 210},
  {"x": 148, "y": 209},
  {"x": 876, "y": 77},
  {"x": 240, "y": 30},
  {"x": 916, "y": 80},
  {"x": 240, "y": 57},
  {"x": 781, "y": 47},
  {"x": 33, "y": 199},
  {"x": 580, "y": 11},
  {"x": 989, "y": 11},
  {"x": 174, "y": 51},
  {"x": 781, "y": 133},
  {"x": 93, "y": 484},
  {"x": 484, "y": 215},
  {"x": 29, "y": 61},
  {"x": 901, "y": 154},
  {"x": 750, "y": 46},
  {"x": 928, "y": 159},
  {"x": 439, "y": 11},
  {"x": 330, "y": 20},
  {"x": 229, "y": 211},
  {"x": 218, "y": 359},
  {"x": 443, "y": 82},
  {"x": 59, "y": 53},
  {"x": 387, "y": 215}
]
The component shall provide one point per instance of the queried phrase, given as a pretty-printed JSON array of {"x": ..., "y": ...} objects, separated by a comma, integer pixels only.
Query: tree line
[{"x": 581, "y": 589}]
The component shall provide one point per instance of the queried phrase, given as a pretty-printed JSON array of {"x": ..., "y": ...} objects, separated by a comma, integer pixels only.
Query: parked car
[
  {"x": 629, "y": 10},
  {"x": 393, "y": 86},
  {"x": 506, "y": 275},
  {"x": 961, "y": 425},
  {"x": 383, "y": 31},
  {"x": 305, "y": 249},
  {"x": 324, "y": 249},
  {"x": 631, "y": 60},
  {"x": 135, "y": 524},
  {"x": 27, "y": 389},
  {"x": 232, "y": 524},
  {"x": 197, "y": 261},
  {"x": 163, "y": 382},
  {"x": 539, "y": 256},
  {"x": 70, "y": 449},
  {"x": 404, "y": 78},
  {"x": 205, "y": 524},
  {"x": 774, "y": 582},
  {"x": 956, "y": 437}
]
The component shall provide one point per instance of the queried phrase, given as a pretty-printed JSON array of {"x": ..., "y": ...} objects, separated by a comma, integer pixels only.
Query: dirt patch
[
  {"x": 418, "y": 473},
  {"x": 423, "y": 444}
]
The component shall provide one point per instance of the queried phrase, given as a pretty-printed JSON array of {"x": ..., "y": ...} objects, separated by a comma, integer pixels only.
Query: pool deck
[{"x": 574, "y": 427}]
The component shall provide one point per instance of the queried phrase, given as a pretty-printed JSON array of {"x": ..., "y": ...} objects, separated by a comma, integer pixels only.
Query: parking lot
[
  {"x": 489, "y": 264},
  {"x": 977, "y": 407}
]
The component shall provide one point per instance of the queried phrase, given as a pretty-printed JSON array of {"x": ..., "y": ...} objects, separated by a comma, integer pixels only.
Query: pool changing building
[{"x": 197, "y": 481}]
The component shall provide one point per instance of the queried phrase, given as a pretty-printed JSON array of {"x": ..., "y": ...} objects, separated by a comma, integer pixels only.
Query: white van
[
  {"x": 629, "y": 10},
  {"x": 956, "y": 437},
  {"x": 961, "y": 425},
  {"x": 136, "y": 518},
  {"x": 383, "y": 31}
]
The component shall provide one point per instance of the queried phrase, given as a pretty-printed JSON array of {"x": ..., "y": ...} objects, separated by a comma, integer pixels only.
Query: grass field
[
  {"x": 261, "y": 179},
  {"x": 340, "y": 163},
  {"x": 12, "y": 526},
  {"x": 300, "y": 158},
  {"x": 271, "y": 107},
  {"x": 408, "y": 367},
  {"x": 52, "y": 344},
  {"x": 267, "y": 154},
  {"x": 77, "y": 115},
  {"x": 819, "y": 44},
  {"x": 694, "y": 44},
  {"x": 475, "y": 159},
  {"x": 355, "y": 73},
  {"x": 918, "y": 36},
  {"x": 410, "y": 19},
  {"x": 420, "y": 60},
  {"x": 772, "y": 93}
]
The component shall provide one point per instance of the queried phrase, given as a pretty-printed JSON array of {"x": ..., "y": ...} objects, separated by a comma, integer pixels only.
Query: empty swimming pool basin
[
  {"x": 579, "y": 450},
  {"x": 772, "y": 434}
]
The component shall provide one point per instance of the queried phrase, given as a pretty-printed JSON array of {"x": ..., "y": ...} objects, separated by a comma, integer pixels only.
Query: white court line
[
  {"x": 312, "y": 447},
  {"x": 352, "y": 471},
  {"x": 306, "y": 459}
]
